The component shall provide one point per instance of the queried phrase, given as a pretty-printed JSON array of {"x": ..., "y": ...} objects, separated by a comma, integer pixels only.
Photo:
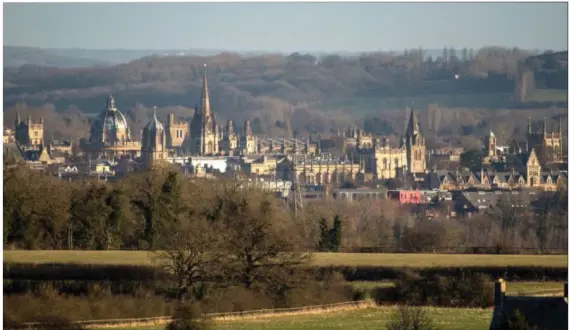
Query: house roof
[{"x": 545, "y": 312}]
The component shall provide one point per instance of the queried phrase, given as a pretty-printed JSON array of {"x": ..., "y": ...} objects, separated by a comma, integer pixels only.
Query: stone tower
[
  {"x": 491, "y": 144},
  {"x": 248, "y": 140},
  {"x": 154, "y": 147},
  {"x": 415, "y": 146},
  {"x": 547, "y": 144},
  {"x": 29, "y": 133},
  {"x": 203, "y": 131},
  {"x": 533, "y": 169},
  {"x": 176, "y": 132}
]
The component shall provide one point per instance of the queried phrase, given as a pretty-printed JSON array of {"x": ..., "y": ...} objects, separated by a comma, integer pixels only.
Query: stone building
[
  {"x": 29, "y": 133},
  {"x": 204, "y": 132},
  {"x": 415, "y": 146},
  {"x": 247, "y": 143},
  {"x": 229, "y": 139},
  {"x": 110, "y": 136},
  {"x": 154, "y": 149},
  {"x": 384, "y": 161},
  {"x": 548, "y": 144},
  {"x": 320, "y": 170},
  {"x": 177, "y": 134}
]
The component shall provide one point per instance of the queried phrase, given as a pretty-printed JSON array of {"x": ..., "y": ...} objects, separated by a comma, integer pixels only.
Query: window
[{"x": 385, "y": 163}]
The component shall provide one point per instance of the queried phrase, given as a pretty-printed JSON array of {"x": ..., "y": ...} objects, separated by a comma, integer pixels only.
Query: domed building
[
  {"x": 110, "y": 136},
  {"x": 154, "y": 148}
]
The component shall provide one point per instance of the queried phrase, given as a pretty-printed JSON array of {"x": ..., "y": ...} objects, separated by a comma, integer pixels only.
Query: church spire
[
  {"x": 413, "y": 127},
  {"x": 205, "y": 104}
]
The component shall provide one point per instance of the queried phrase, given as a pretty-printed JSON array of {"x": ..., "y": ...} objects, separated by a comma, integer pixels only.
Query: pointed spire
[
  {"x": 413, "y": 127},
  {"x": 205, "y": 105},
  {"x": 18, "y": 116},
  {"x": 544, "y": 125}
]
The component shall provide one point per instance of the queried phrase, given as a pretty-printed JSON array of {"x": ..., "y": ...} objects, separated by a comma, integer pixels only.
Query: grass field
[
  {"x": 548, "y": 95},
  {"x": 513, "y": 288},
  {"x": 368, "y": 318},
  {"x": 319, "y": 259}
]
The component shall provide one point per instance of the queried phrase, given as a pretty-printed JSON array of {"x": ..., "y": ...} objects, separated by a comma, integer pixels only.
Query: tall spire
[
  {"x": 413, "y": 127},
  {"x": 205, "y": 105}
]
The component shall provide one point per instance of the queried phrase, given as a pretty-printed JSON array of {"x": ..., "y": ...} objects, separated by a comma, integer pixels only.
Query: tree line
[{"x": 150, "y": 209}]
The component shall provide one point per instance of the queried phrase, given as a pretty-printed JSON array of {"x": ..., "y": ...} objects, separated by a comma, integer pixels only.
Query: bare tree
[
  {"x": 261, "y": 247},
  {"x": 191, "y": 256}
]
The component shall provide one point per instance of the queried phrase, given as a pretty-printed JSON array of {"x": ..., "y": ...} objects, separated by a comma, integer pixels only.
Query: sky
[{"x": 286, "y": 27}]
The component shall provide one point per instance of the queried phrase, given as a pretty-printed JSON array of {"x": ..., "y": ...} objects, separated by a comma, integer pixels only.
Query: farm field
[
  {"x": 319, "y": 259},
  {"x": 513, "y": 288},
  {"x": 548, "y": 95},
  {"x": 367, "y": 318}
]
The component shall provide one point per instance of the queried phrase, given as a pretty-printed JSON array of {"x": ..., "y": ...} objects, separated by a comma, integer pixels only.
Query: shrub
[
  {"x": 410, "y": 318},
  {"x": 45, "y": 323},
  {"x": 436, "y": 290},
  {"x": 188, "y": 317},
  {"x": 516, "y": 321}
]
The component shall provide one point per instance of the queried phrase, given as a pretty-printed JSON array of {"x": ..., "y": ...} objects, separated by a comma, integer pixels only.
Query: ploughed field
[{"x": 319, "y": 259}]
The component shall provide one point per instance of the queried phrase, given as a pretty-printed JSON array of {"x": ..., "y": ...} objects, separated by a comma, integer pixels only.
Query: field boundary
[{"x": 159, "y": 320}]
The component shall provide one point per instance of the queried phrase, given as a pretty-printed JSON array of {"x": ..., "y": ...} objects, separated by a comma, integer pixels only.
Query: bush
[
  {"x": 188, "y": 317},
  {"x": 410, "y": 318},
  {"x": 516, "y": 321},
  {"x": 45, "y": 323},
  {"x": 475, "y": 291}
]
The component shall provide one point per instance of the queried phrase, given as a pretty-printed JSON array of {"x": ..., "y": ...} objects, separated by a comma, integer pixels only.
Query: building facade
[
  {"x": 154, "y": 150},
  {"x": 29, "y": 133},
  {"x": 547, "y": 144}
]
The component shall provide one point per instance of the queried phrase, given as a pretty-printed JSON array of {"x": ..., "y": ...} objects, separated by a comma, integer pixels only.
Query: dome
[
  {"x": 111, "y": 125},
  {"x": 154, "y": 124}
]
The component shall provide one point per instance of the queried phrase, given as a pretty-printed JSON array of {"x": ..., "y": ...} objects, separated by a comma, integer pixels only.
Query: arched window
[
  {"x": 396, "y": 163},
  {"x": 385, "y": 163}
]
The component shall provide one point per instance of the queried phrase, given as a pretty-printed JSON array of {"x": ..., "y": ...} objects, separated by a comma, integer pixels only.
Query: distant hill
[{"x": 17, "y": 56}]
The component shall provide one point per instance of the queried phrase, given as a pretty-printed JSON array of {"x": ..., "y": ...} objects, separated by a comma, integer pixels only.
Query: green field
[
  {"x": 513, "y": 288},
  {"x": 547, "y": 95},
  {"x": 319, "y": 259},
  {"x": 368, "y": 318}
]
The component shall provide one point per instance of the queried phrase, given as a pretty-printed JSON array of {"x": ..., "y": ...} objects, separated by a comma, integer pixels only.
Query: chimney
[{"x": 500, "y": 289}]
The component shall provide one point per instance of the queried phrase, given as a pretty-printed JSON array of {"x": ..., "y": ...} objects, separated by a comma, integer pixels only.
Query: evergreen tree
[
  {"x": 336, "y": 234},
  {"x": 324, "y": 241}
]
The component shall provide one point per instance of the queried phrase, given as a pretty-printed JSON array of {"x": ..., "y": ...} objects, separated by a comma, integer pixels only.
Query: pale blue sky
[{"x": 286, "y": 26}]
